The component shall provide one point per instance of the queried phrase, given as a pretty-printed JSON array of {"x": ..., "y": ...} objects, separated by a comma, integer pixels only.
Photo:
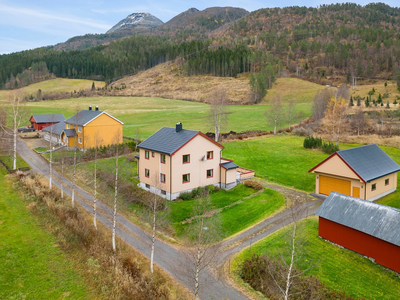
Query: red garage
[
  {"x": 365, "y": 227},
  {"x": 42, "y": 121}
]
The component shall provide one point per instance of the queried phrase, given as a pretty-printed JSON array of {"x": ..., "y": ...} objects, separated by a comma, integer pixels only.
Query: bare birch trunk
[
  {"x": 62, "y": 177},
  {"x": 51, "y": 157},
  {"x": 95, "y": 189},
  {"x": 154, "y": 235},
  {"x": 198, "y": 260},
  {"x": 115, "y": 197},
  {"x": 289, "y": 275},
  {"x": 73, "y": 179},
  {"x": 15, "y": 133}
]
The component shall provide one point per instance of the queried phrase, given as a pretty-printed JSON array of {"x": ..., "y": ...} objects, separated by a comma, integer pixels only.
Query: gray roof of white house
[
  {"x": 229, "y": 165},
  {"x": 56, "y": 128},
  {"x": 167, "y": 140},
  {"x": 380, "y": 221},
  {"x": 49, "y": 118},
  {"x": 369, "y": 162}
]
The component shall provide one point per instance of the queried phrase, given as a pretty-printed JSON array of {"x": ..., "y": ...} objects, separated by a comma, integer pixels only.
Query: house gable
[{"x": 335, "y": 165}]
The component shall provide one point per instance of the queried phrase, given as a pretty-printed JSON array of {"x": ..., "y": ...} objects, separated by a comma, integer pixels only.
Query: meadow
[
  {"x": 33, "y": 265},
  {"x": 340, "y": 269},
  {"x": 54, "y": 85}
]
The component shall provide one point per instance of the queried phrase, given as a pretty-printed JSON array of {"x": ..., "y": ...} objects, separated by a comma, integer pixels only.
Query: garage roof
[
  {"x": 49, "y": 118},
  {"x": 368, "y": 162},
  {"x": 375, "y": 219}
]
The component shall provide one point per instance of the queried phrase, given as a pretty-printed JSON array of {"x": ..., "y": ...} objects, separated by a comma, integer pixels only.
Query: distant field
[
  {"x": 362, "y": 91},
  {"x": 32, "y": 264},
  {"x": 147, "y": 115},
  {"x": 340, "y": 269},
  {"x": 55, "y": 85}
]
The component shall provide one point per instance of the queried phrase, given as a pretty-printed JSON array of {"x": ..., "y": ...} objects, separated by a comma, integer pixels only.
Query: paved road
[{"x": 166, "y": 256}]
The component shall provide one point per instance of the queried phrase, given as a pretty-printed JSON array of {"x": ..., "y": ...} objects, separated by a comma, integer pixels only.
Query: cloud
[{"x": 28, "y": 18}]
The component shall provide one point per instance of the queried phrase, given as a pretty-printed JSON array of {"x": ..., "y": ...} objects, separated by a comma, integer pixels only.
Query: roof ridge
[{"x": 363, "y": 146}]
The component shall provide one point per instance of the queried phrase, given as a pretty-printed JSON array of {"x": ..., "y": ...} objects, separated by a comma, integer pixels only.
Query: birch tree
[
  {"x": 97, "y": 143},
  {"x": 116, "y": 145},
  {"x": 218, "y": 111},
  {"x": 291, "y": 111},
  {"x": 335, "y": 117},
  {"x": 155, "y": 203},
  {"x": 202, "y": 232},
  {"x": 17, "y": 112},
  {"x": 76, "y": 121},
  {"x": 359, "y": 121},
  {"x": 275, "y": 113}
]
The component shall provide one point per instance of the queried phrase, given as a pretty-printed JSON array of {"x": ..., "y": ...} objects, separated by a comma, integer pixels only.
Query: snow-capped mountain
[{"x": 137, "y": 21}]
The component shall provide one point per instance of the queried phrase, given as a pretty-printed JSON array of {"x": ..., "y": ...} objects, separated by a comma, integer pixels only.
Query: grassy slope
[
  {"x": 55, "y": 85},
  {"x": 362, "y": 91},
  {"x": 32, "y": 264},
  {"x": 20, "y": 162},
  {"x": 237, "y": 217},
  {"x": 341, "y": 269},
  {"x": 147, "y": 115}
]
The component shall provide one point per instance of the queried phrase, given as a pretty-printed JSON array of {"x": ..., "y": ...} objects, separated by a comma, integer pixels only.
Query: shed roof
[
  {"x": 229, "y": 165},
  {"x": 167, "y": 140},
  {"x": 56, "y": 128},
  {"x": 85, "y": 116},
  {"x": 380, "y": 221},
  {"x": 49, "y": 118},
  {"x": 69, "y": 132},
  {"x": 368, "y": 162}
]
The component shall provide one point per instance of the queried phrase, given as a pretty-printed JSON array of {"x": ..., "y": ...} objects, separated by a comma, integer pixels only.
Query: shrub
[
  {"x": 301, "y": 131},
  {"x": 312, "y": 143},
  {"x": 186, "y": 196},
  {"x": 211, "y": 189},
  {"x": 253, "y": 184},
  {"x": 198, "y": 192},
  {"x": 329, "y": 148}
]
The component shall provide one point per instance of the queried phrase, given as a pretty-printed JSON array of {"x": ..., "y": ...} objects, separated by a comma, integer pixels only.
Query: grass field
[
  {"x": 144, "y": 116},
  {"x": 379, "y": 86},
  {"x": 338, "y": 268},
  {"x": 9, "y": 161},
  {"x": 32, "y": 265},
  {"x": 55, "y": 85}
]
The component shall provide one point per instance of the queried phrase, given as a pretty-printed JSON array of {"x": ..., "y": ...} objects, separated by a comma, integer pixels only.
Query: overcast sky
[{"x": 28, "y": 24}]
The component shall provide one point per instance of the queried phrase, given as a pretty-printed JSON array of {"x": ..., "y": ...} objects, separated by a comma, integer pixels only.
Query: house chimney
[
  {"x": 178, "y": 126},
  {"x": 90, "y": 108},
  {"x": 97, "y": 108}
]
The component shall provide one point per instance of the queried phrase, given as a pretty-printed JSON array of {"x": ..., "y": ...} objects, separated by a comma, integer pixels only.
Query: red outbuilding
[
  {"x": 42, "y": 121},
  {"x": 365, "y": 227}
]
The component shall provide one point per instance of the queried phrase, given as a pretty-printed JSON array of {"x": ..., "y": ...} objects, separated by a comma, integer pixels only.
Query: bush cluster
[
  {"x": 312, "y": 143},
  {"x": 264, "y": 274},
  {"x": 198, "y": 192},
  {"x": 317, "y": 143},
  {"x": 253, "y": 184}
]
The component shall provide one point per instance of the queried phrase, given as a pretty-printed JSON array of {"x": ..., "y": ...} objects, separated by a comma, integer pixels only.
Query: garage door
[{"x": 329, "y": 184}]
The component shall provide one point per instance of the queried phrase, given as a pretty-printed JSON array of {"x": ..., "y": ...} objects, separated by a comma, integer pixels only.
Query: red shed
[
  {"x": 42, "y": 121},
  {"x": 365, "y": 227}
]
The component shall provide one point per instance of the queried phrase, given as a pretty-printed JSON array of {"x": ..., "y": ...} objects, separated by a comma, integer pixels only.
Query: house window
[
  {"x": 147, "y": 172},
  {"x": 186, "y": 158},
  {"x": 67, "y": 126},
  {"x": 146, "y": 154},
  {"x": 210, "y": 173},
  {"x": 210, "y": 154},
  {"x": 373, "y": 187},
  {"x": 152, "y": 154},
  {"x": 80, "y": 140},
  {"x": 162, "y": 178},
  {"x": 185, "y": 178},
  {"x": 163, "y": 192},
  {"x": 79, "y": 128},
  {"x": 162, "y": 158},
  {"x": 387, "y": 181},
  {"x": 147, "y": 186}
]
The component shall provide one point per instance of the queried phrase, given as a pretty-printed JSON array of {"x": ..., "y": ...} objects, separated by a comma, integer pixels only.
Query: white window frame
[
  {"x": 67, "y": 126},
  {"x": 79, "y": 128},
  {"x": 79, "y": 140}
]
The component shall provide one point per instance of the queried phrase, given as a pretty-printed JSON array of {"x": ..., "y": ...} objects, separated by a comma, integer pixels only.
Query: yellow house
[
  {"x": 90, "y": 128},
  {"x": 365, "y": 172},
  {"x": 177, "y": 160}
]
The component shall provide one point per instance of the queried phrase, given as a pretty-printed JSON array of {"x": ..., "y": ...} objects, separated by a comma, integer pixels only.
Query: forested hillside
[{"x": 328, "y": 45}]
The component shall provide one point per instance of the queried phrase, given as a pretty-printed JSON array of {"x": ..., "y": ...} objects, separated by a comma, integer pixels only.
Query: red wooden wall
[{"x": 384, "y": 253}]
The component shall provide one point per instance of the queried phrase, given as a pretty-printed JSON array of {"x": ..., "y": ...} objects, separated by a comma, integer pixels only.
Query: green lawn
[
  {"x": 281, "y": 159},
  {"x": 235, "y": 218},
  {"x": 9, "y": 161},
  {"x": 146, "y": 115},
  {"x": 338, "y": 268},
  {"x": 32, "y": 265}
]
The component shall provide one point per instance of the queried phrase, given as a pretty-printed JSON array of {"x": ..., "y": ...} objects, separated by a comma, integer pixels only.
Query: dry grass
[
  {"x": 362, "y": 91},
  {"x": 124, "y": 274},
  {"x": 54, "y": 85}
]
